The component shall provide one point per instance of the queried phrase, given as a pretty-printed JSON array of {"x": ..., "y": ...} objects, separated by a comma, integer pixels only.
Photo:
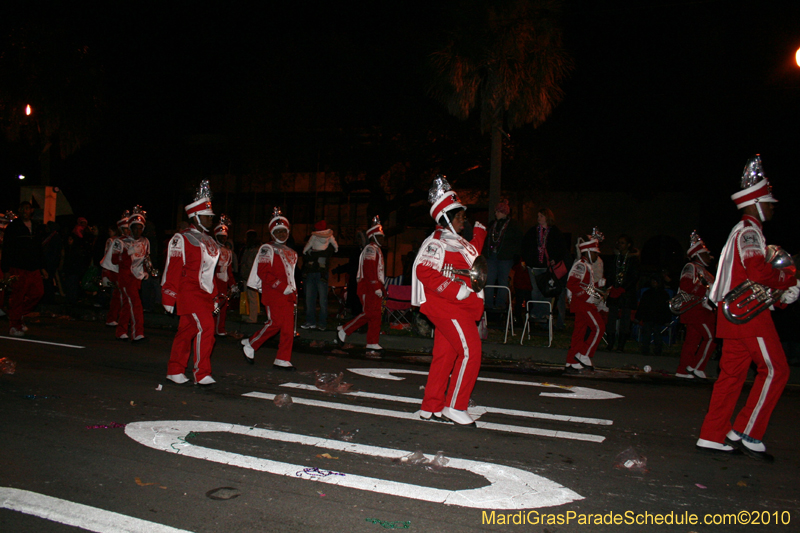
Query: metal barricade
[{"x": 528, "y": 326}]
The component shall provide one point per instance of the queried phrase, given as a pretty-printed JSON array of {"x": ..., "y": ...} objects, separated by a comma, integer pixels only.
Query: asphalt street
[{"x": 94, "y": 437}]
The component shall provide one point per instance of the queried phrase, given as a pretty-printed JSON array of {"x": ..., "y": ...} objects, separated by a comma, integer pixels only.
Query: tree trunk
[{"x": 496, "y": 160}]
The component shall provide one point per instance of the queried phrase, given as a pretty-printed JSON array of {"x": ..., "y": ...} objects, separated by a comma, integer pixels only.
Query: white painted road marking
[
  {"x": 415, "y": 416},
  {"x": 77, "y": 514},
  {"x": 41, "y": 342},
  {"x": 509, "y": 488},
  {"x": 475, "y": 412},
  {"x": 574, "y": 393}
]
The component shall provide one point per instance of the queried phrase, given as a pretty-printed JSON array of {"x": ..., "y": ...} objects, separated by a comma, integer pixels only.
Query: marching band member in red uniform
[
  {"x": 371, "y": 281},
  {"x": 585, "y": 302},
  {"x": 754, "y": 341},
  {"x": 452, "y": 306},
  {"x": 187, "y": 287},
  {"x": 110, "y": 265},
  {"x": 700, "y": 320},
  {"x": 223, "y": 279},
  {"x": 131, "y": 273},
  {"x": 273, "y": 275}
]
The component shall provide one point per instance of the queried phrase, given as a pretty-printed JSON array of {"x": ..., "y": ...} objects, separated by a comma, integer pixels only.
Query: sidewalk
[{"x": 512, "y": 351}]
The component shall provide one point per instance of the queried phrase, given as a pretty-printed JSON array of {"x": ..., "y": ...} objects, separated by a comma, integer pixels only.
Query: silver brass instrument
[
  {"x": 221, "y": 299},
  {"x": 149, "y": 268},
  {"x": 749, "y": 298},
  {"x": 477, "y": 275},
  {"x": 594, "y": 292},
  {"x": 683, "y": 301}
]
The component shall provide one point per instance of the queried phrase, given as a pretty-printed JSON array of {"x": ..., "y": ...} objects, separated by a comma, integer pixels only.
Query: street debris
[
  {"x": 283, "y": 400},
  {"x": 647, "y": 368},
  {"x": 317, "y": 344},
  {"x": 159, "y": 387},
  {"x": 631, "y": 460},
  {"x": 699, "y": 486},
  {"x": 332, "y": 383},
  {"x": 315, "y": 472},
  {"x": 112, "y": 425},
  {"x": 223, "y": 493},
  {"x": 340, "y": 434},
  {"x": 326, "y": 456},
  {"x": 418, "y": 458},
  {"x": 390, "y": 525},
  {"x": 338, "y": 352}
]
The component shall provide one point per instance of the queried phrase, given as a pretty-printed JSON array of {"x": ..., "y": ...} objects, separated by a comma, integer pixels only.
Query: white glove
[
  {"x": 463, "y": 293},
  {"x": 379, "y": 293},
  {"x": 169, "y": 309},
  {"x": 790, "y": 295},
  {"x": 594, "y": 300},
  {"x": 288, "y": 290},
  {"x": 601, "y": 283}
]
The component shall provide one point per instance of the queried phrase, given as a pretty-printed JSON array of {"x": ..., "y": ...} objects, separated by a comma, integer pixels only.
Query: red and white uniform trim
[
  {"x": 223, "y": 282},
  {"x": 585, "y": 307},
  {"x": 188, "y": 284},
  {"x": 272, "y": 273},
  {"x": 456, "y": 345},
  {"x": 131, "y": 274},
  {"x": 755, "y": 341},
  {"x": 110, "y": 266},
  {"x": 370, "y": 278},
  {"x": 700, "y": 321}
]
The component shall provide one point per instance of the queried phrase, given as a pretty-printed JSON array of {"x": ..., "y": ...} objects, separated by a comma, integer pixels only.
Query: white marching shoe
[
  {"x": 460, "y": 418},
  {"x": 178, "y": 379}
]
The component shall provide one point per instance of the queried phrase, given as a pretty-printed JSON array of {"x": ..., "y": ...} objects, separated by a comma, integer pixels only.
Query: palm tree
[{"x": 509, "y": 55}]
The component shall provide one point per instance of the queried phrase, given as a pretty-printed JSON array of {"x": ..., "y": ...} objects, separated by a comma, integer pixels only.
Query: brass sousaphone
[
  {"x": 749, "y": 298},
  {"x": 477, "y": 275}
]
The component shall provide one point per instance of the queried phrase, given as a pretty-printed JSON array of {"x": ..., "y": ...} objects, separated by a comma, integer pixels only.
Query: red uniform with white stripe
[
  {"x": 110, "y": 265},
  {"x": 587, "y": 316},
  {"x": 700, "y": 321},
  {"x": 370, "y": 279},
  {"x": 188, "y": 284},
  {"x": 272, "y": 274},
  {"x": 755, "y": 341},
  {"x": 456, "y": 343},
  {"x": 129, "y": 280},
  {"x": 223, "y": 281}
]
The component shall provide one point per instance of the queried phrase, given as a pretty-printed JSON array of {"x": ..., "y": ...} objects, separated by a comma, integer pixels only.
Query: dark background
[{"x": 665, "y": 95}]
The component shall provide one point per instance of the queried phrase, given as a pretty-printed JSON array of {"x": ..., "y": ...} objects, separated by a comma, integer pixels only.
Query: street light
[
  {"x": 797, "y": 57},
  {"x": 28, "y": 110},
  {"x": 21, "y": 177}
]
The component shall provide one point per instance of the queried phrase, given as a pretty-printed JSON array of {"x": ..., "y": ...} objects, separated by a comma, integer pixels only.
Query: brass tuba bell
[
  {"x": 749, "y": 298},
  {"x": 477, "y": 275}
]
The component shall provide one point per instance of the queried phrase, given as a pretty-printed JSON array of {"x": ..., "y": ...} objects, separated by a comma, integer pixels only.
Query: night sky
[{"x": 664, "y": 95}]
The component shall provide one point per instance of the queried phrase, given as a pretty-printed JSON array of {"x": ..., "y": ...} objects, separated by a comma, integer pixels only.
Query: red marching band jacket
[
  {"x": 131, "y": 258},
  {"x": 188, "y": 280},
  {"x": 692, "y": 277},
  {"x": 271, "y": 277},
  {"x": 580, "y": 274},
  {"x": 110, "y": 261},
  {"x": 743, "y": 258},
  {"x": 370, "y": 270},
  {"x": 435, "y": 293}
]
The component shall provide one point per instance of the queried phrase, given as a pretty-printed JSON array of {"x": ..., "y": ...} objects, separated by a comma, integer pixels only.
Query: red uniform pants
[
  {"x": 773, "y": 373},
  {"x": 371, "y": 315},
  {"x": 25, "y": 294},
  {"x": 455, "y": 366},
  {"x": 581, "y": 344},
  {"x": 115, "y": 306},
  {"x": 131, "y": 313},
  {"x": 698, "y": 347},
  {"x": 195, "y": 329},
  {"x": 280, "y": 319}
]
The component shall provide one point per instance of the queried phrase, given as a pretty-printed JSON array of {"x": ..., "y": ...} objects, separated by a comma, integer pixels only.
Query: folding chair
[
  {"x": 528, "y": 327},
  {"x": 509, "y": 311},
  {"x": 398, "y": 305}
]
